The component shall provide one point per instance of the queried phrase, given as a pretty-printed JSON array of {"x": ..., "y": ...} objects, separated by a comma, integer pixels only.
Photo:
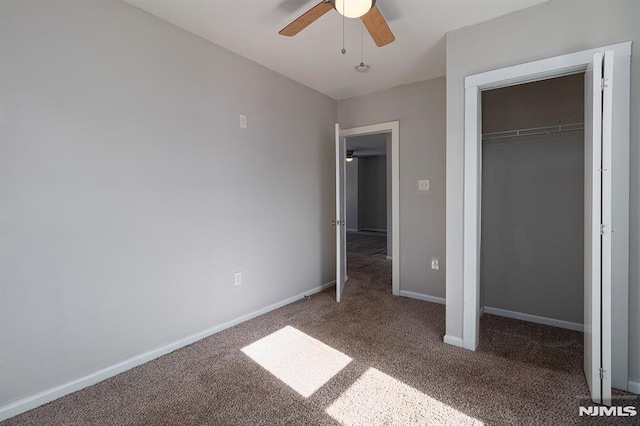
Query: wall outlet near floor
[
  {"x": 237, "y": 278},
  {"x": 423, "y": 185},
  {"x": 435, "y": 263}
]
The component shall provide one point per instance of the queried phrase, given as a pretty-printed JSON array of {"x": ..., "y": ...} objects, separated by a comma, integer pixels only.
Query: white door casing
[
  {"x": 613, "y": 126},
  {"x": 392, "y": 127}
]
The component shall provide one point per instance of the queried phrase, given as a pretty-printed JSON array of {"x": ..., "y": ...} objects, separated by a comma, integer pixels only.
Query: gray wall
[
  {"x": 129, "y": 195},
  {"x": 372, "y": 192},
  {"x": 532, "y": 257},
  {"x": 551, "y": 29},
  {"x": 542, "y": 103},
  {"x": 420, "y": 108},
  {"x": 351, "y": 183}
]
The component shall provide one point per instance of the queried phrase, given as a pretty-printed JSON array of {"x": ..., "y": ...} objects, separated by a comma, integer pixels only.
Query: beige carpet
[{"x": 372, "y": 359}]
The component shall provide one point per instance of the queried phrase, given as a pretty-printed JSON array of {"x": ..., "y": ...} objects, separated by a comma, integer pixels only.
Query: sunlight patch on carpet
[
  {"x": 302, "y": 362},
  {"x": 378, "y": 399}
]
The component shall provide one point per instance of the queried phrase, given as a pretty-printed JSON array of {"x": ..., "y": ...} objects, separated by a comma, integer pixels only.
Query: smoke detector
[{"x": 362, "y": 67}]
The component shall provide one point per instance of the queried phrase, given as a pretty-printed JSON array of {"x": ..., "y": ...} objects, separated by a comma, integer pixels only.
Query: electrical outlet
[
  {"x": 423, "y": 185},
  {"x": 237, "y": 278},
  {"x": 435, "y": 263},
  {"x": 243, "y": 121}
]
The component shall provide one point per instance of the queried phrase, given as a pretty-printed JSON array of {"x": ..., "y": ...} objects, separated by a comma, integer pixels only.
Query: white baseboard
[
  {"x": 634, "y": 387},
  {"x": 352, "y": 230},
  {"x": 389, "y": 258},
  {"x": 40, "y": 398},
  {"x": 421, "y": 296},
  {"x": 534, "y": 318},
  {"x": 384, "y": 231},
  {"x": 481, "y": 312},
  {"x": 452, "y": 340}
]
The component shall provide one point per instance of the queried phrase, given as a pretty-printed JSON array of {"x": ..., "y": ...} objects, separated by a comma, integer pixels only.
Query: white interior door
[
  {"x": 340, "y": 221},
  {"x": 597, "y": 248}
]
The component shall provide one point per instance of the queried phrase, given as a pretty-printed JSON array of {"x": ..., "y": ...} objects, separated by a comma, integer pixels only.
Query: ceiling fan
[{"x": 366, "y": 10}]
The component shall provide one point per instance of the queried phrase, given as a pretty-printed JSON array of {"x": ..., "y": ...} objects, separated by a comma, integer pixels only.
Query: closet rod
[{"x": 534, "y": 131}]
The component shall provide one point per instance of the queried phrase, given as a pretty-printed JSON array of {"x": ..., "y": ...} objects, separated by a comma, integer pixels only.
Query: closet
[{"x": 532, "y": 203}]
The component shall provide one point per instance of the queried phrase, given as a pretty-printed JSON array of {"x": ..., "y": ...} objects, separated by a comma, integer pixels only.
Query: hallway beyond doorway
[{"x": 367, "y": 263}]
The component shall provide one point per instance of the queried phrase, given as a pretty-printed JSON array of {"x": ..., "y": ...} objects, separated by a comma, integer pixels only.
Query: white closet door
[
  {"x": 340, "y": 221},
  {"x": 597, "y": 247}
]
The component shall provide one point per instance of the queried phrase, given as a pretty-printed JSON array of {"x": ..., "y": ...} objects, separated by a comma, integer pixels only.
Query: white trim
[
  {"x": 481, "y": 313},
  {"x": 452, "y": 340},
  {"x": 634, "y": 387},
  {"x": 352, "y": 230},
  {"x": 531, "y": 71},
  {"x": 422, "y": 296},
  {"x": 471, "y": 214},
  {"x": 40, "y": 398},
  {"x": 389, "y": 257},
  {"x": 392, "y": 127},
  {"x": 374, "y": 230},
  {"x": 534, "y": 318},
  {"x": 542, "y": 69}
]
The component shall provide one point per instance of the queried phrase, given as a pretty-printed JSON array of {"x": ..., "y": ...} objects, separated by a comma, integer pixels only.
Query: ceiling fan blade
[
  {"x": 377, "y": 27},
  {"x": 306, "y": 18}
]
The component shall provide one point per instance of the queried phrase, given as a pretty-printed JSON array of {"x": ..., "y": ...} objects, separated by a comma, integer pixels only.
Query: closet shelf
[{"x": 533, "y": 131}]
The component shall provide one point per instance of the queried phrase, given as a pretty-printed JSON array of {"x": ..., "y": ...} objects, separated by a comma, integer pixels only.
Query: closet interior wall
[{"x": 532, "y": 228}]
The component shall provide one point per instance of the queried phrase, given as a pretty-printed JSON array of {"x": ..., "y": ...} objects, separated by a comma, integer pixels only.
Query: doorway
[
  {"x": 368, "y": 207},
  {"x": 368, "y": 187},
  {"x": 390, "y": 132},
  {"x": 532, "y": 202}
]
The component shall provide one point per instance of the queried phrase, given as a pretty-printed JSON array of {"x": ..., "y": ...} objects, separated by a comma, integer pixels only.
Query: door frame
[
  {"x": 392, "y": 127},
  {"x": 524, "y": 73}
]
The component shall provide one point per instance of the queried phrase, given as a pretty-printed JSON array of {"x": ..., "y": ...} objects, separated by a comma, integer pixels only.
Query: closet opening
[
  {"x": 606, "y": 71},
  {"x": 532, "y": 213}
]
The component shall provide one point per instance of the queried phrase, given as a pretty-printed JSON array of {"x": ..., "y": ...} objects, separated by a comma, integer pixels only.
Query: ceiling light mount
[
  {"x": 353, "y": 8},
  {"x": 362, "y": 67}
]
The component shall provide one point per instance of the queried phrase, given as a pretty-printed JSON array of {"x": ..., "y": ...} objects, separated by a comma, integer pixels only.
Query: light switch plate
[
  {"x": 243, "y": 121},
  {"x": 435, "y": 263}
]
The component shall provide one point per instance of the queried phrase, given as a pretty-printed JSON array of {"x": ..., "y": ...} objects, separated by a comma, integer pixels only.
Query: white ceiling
[{"x": 250, "y": 28}]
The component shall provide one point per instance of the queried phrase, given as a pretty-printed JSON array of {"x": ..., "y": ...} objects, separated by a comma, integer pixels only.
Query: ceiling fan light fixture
[{"x": 353, "y": 8}]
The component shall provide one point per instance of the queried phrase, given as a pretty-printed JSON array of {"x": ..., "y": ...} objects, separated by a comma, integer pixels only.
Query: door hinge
[
  {"x": 603, "y": 373},
  {"x": 603, "y": 229},
  {"x": 603, "y": 84}
]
